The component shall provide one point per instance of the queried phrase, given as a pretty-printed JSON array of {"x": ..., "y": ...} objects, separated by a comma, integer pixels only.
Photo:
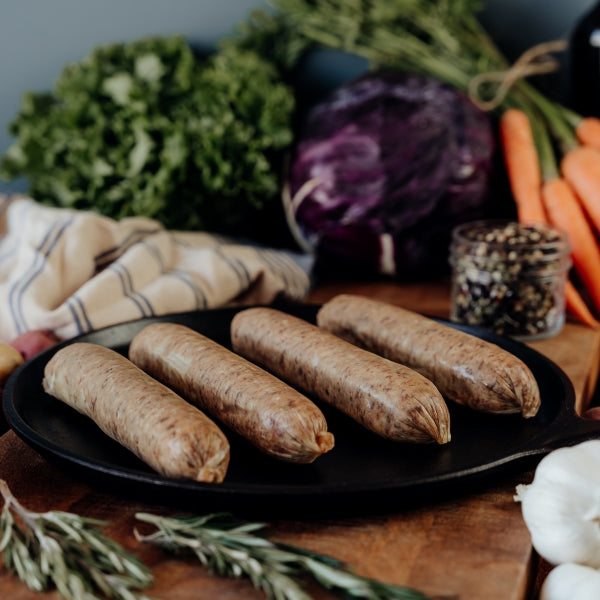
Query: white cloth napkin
[{"x": 74, "y": 271}]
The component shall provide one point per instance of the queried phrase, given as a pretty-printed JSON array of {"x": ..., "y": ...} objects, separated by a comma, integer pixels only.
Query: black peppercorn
[{"x": 509, "y": 277}]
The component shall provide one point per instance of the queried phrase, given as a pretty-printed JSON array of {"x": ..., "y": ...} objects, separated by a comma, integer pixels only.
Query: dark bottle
[{"x": 584, "y": 64}]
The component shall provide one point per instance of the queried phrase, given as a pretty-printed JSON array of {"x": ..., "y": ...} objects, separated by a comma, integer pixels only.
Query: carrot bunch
[{"x": 564, "y": 193}]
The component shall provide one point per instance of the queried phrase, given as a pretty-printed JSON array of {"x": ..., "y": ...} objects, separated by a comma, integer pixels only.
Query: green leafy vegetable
[
  {"x": 443, "y": 39},
  {"x": 438, "y": 38},
  {"x": 147, "y": 128},
  {"x": 234, "y": 550},
  {"x": 64, "y": 551}
]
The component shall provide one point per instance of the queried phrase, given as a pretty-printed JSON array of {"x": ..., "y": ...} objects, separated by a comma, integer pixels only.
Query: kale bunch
[{"x": 148, "y": 128}]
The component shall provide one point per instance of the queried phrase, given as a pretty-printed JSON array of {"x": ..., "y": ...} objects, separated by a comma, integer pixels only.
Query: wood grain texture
[
  {"x": 472, "y": 547},
  {"x": 463, "y": 548}
]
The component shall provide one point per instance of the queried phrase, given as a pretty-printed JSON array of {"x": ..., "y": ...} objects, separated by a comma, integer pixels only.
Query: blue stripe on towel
[
  {"x": 106, "y": 257},
  {"x": 276, "y": 264},
  {"x": 143, "y": 304},
  {"x": 182, "y": 275},
  {"x": 186, "y": 278},
  {"x": 238, "y": 267},
  {"x": 156, "y": 254},
  {"x": 80, "y": 317},
  {"x": 44, "y": 249}
]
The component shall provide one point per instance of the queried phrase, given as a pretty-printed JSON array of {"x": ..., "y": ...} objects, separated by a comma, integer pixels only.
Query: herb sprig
[
  {"x": 230, "y": 549},
  {"x": 68, "y": 552}
]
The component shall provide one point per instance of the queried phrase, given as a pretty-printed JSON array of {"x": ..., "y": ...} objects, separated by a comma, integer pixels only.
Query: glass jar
[{"x": 510, "y": 277}]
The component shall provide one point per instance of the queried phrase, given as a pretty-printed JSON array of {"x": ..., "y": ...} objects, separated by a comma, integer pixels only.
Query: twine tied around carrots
[{"x": 537, "y": 60}]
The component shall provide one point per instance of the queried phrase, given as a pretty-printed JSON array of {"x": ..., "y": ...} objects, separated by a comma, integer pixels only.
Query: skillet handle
[{"x": 573, "y": 431}]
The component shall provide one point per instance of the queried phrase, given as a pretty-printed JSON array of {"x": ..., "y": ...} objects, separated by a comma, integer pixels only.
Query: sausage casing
[
  {"x": 161, "y": 428},
  {"x": 276, "y": 418},
  {"x": 389, "y": 399},
  {"x": 465, "y": 368}
]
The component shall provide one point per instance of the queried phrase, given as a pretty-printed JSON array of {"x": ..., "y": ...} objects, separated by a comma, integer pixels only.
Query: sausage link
[
  {"x": 465, "y": 368},
  {"x": 276, "y": 418},
  {"x": 389, "y": 399},
  {"x": 161, "y": 428}
]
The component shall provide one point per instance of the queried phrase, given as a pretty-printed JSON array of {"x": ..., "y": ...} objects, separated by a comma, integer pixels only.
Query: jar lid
[{"x": 533, "y": 244}]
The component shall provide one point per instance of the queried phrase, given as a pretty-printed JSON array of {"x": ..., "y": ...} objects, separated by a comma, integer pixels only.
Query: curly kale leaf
[{"x": 147, "y": 128}]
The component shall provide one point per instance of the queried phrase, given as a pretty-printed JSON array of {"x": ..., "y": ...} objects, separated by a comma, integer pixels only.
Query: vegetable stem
[
  {"x": 67, "y": 552},
  {"x": 441, "y": 39},
  {"x": 232, "y": 549}
]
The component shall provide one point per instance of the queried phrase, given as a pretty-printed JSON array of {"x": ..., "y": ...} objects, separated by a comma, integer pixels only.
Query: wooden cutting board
[{"x": 472, "y": 547}]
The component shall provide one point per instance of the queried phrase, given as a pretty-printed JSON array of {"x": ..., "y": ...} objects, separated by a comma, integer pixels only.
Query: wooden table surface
[{"x": 471, "y": 547}]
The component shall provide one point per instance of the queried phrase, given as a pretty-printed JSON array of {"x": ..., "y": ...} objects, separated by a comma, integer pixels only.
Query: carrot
[
  {"x": 588, "y": 132},
  {"x": 528, "y": 186},
  {"x": 522, "y": 164},
  {"x": 581, "y": 168},
  {"x": 577, "y": 306},
  {"x": 565, "y": 211}
]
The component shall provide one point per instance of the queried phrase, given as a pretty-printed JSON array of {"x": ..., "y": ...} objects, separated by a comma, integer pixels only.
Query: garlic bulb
[
  {"x": 561, "y": 507},
  {"x": 571, "y": 582}
]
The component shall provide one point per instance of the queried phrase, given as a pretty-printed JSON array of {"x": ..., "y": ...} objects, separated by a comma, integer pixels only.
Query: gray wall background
[{"x": 38, "y": 37}]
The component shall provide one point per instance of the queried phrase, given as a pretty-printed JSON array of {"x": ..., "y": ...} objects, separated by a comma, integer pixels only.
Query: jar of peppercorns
[{"x": 510, "y": 277}]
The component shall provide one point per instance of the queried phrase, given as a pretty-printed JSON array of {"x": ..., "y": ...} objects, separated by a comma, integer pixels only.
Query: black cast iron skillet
[{"x": 363, "y": 474}]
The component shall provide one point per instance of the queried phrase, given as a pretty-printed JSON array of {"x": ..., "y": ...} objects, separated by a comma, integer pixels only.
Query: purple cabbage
[{"x": 383, "y": 169}]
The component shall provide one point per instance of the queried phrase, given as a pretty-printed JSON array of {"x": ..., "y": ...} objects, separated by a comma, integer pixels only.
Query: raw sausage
[
  {"x": 276, "y": 418},
  {"x": 389, "y": 399},
  {"x": 161, "y": 428},
  {"x": 465, "y": 368}
]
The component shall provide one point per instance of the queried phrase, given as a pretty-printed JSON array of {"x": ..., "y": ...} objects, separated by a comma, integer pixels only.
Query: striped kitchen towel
[{"x": 72, "y": 271}]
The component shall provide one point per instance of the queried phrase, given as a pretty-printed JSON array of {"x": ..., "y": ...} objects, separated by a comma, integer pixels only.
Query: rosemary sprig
[
  {"x": 68, "y": 552},
  {"x": 230, "y": 549}
]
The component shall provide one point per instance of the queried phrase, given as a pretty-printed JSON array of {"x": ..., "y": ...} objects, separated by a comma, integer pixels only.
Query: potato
[
  {"x": 10, "y": 359},
  {"x": 33, "y": 342}
]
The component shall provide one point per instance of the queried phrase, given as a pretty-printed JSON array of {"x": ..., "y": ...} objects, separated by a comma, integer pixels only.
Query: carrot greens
[
  {"x": 442, "y": 39},
  {"x": 445, "y": 39}
]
